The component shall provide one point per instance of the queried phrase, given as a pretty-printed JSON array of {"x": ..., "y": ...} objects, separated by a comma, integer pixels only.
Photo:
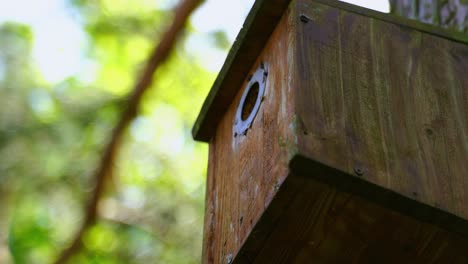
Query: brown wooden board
[
  {"x": 385, "y": 103},
  {"x": 259, "y": 24},
  {"x": 313, "y": 222},
  {"x": 380, "y": 109},
  {"x": 245, "y": 171}
]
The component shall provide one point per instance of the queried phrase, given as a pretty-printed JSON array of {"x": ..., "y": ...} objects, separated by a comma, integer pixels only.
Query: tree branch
[{"x": 157, "y": 57}]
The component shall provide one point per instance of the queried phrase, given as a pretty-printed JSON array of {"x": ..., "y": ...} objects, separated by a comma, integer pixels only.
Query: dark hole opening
[{"x": 250, "y": 101}]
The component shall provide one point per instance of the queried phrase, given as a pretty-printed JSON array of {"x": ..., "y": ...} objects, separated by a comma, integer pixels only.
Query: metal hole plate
[{"x": 241, "y": 126}]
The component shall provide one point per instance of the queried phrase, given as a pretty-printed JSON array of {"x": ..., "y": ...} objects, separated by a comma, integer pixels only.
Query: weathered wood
[
  {"x": 387, "y": 101},
  {"x": 261, "y": 21},
  {"x": 404, "y": 21},
  {"x": 311, "y": 222},
  {"x": 386, "y": 198},
  {"x": 259, "y": 25},
  {"x": 246, "y": 170},
  {"x": 371, "y": 112}
]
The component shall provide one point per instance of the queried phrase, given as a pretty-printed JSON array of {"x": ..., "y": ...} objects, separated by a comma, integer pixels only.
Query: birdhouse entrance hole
[{"x": 250, "y": 102}]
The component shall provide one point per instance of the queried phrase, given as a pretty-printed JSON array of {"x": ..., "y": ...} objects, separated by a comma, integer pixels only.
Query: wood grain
[
  {"x": 257, "y": 29},
  {"x": 321, "y": 224},
  {"x": 383, "y": 107},
  {"x": 246, "y": 171},
  {"x": 261, "y": 21},
  {"x": 386, "y": 101}
]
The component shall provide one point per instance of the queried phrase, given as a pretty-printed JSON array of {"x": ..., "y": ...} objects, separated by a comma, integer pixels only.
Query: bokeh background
[
  {"x": 66, "y": 67},
  {"x": 65, "y": 70}
]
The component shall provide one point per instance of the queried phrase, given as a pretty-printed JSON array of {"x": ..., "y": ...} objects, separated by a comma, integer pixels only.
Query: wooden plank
[
  {"x": 247, "y": 170},
  {"x": 374, "y": 193},
  {"x": 385, "y": 103},
  {"x": 322, "y": 224},
  {"x": 257, "y": 28},
  {"x": 261, "y": 21},
  {"x": 406, "y": 21},
  {"x": 210, "y": 205},
  {"x": 361, "y": 97}
]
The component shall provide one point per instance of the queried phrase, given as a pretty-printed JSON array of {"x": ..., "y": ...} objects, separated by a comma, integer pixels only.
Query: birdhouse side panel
[{"x": 385, "y": 103}]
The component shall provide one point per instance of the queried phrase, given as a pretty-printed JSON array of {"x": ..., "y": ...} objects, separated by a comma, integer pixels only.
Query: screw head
[
  {"x": 359, "y": 171},
  {"x": 304, "y": 19}
]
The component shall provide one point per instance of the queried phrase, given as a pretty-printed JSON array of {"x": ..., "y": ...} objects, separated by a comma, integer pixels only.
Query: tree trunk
[{"x": 452, "y": 14}]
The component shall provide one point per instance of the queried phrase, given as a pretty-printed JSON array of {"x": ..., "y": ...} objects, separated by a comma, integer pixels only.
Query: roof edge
[{"x": 258, "y": 26}]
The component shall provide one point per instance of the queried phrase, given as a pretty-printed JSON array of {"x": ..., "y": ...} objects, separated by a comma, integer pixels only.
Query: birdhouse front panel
[{"x": 251, "y": 149}]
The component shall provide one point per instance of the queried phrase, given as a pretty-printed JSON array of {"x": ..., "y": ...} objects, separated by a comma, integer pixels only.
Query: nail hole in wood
[{"x": 429, "y": 132}]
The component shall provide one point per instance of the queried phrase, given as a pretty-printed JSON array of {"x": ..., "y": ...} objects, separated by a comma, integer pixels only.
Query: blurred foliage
[{"x": 51, "y": 136}]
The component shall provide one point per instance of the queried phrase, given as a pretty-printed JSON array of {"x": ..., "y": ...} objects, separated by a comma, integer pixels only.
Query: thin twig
[{"x": 157, "y": 57}]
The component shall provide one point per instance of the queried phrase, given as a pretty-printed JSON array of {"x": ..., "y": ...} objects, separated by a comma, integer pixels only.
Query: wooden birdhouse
[{"x": 337, "y": 134}]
